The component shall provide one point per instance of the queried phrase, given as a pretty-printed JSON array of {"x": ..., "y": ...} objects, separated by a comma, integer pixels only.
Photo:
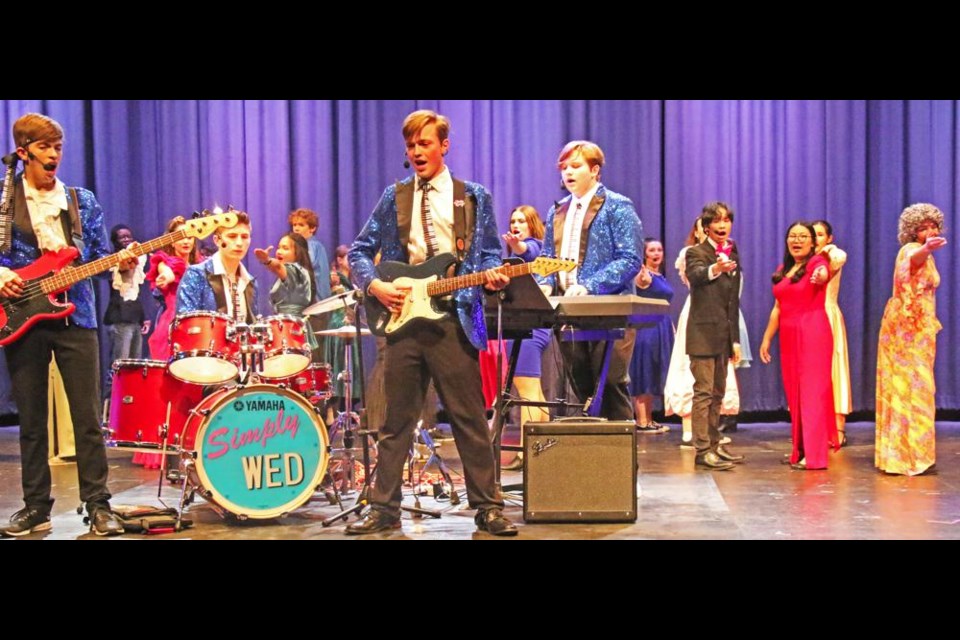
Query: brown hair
[
  {"x": 308, "y": 216},
  {"x": 534, "y": 222},
  {"x": 31, "y": 127},
  {"x": 175, "y": 222},
  {"x": 589, "y": 151},
  {"x": 416, "y": 121},
  {"x": 242, "y": 218}
]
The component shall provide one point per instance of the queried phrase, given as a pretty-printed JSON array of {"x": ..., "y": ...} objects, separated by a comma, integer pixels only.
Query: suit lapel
[
  {"x": 404, "y": 201},
  {"x": 219, "y": 296},
  {"x": 595, "y": 203},
  {"x": 21, "y": 214},
  {"x": 558, "y": 220}
]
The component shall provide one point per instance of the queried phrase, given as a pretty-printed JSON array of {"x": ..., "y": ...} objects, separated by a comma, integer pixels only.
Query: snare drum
[
  {"x": 259, "y": 451},
  {"x": 141, "y": 391},
  {"x": 201, "y": 351},
  {"x": 285, "y": 352},
  {"x": 312, "y": 383}
]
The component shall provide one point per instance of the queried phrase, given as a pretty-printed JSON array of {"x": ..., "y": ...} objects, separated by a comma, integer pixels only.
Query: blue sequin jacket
[
  {"x": 23, "y": 251},
  {"x": 381, "y": 233},
  {"x": 195, "y": 292},
  {"x": 610, "y": 257}
]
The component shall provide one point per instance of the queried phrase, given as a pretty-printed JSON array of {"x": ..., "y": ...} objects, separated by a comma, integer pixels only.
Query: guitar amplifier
[{"x": 581, "y": 470}]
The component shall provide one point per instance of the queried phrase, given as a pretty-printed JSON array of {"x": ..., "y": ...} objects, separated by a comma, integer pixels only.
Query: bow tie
[{"x": 726, "y": 249}]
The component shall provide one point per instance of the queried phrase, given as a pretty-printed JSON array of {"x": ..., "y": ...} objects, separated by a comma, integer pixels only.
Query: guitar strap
[
  {"x": 72, "y": 230},
  {"x": 464, "y": 213},
  {"x": 6, "y": 204}
]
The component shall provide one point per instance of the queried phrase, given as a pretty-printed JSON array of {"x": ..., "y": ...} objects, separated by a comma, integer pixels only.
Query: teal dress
[
  {"x": 293, "y": 295},
  {"x": 333, "y": 347}
]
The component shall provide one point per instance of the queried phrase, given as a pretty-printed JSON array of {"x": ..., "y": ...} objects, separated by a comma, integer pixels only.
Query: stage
[{"x": 759, "y": 500}]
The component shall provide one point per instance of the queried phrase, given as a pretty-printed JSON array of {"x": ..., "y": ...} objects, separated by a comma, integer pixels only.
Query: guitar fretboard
[
  {"x": 449, "y": 285},
  {"x": 71, "y": 275}
]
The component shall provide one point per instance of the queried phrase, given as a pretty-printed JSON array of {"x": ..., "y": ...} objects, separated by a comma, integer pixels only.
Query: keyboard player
[{"x": 601, "y": 230}]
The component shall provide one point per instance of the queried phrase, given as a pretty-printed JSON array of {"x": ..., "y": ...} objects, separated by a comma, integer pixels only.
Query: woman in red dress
[
  {"x": 806, "y": 347},
  {"x": 166, "y": 268}
]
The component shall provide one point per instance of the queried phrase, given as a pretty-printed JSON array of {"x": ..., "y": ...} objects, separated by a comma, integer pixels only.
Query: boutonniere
[{"x": 458, "y": 203}]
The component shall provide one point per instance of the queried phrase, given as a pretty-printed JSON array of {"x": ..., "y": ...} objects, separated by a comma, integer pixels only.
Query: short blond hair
[
  {"x": 32, "y": 127},
  {"x": 416, "y": 121},
  {"x": 589, "y": 151}
]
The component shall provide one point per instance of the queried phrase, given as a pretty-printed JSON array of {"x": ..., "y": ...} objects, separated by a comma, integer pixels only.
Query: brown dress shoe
[
  {"x": 374, "y": 522},
  {"x": 493, "y": 521},
  {"x": 712, "y": 461},
  {"x": 729, "y": 456}
]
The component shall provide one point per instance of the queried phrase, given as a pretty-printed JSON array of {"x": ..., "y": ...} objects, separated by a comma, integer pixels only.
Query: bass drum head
[{"x": 261, "y": 451}]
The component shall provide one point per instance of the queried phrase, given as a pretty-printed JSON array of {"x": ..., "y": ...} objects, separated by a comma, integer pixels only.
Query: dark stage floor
[{"x": 761, "y": 499}]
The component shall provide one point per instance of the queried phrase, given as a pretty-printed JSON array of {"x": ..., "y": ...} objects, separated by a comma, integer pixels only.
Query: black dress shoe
[
  {"x": 712, "y": 461},
  {"x": 373, "y": 522},
  {"x": 26, "y": 521},
  {"x": 724, "y": 454},
  {"x": 493, "y": 521}
]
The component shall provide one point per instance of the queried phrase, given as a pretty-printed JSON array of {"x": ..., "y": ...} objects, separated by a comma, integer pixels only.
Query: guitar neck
[
  {"x": 449, "y": 285},
  {"x": 72, "y": 275}
]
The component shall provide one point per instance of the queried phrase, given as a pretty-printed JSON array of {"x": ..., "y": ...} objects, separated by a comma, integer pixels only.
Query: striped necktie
[
  {"x": 235, "y": 296},
  {"x": 430, "y": 238}
]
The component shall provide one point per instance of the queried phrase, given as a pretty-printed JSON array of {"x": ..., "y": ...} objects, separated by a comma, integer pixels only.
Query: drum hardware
[
  {"x": 422, "y": 437},
  {"x": 346, "y": 419}
]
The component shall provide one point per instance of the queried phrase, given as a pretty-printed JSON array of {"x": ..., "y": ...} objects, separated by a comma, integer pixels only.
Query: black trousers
[
  {"x": 78, "y": 357},
  {"x": 440, "y": 351},
  {"x": 582, "y": 362},
  {"x": 709, "y": 385}
]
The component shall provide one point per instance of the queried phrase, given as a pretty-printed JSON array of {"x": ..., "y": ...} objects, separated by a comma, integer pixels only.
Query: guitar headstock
[
  {"x": 206, "y": 225},
  {"x": 544, "y": 266}
]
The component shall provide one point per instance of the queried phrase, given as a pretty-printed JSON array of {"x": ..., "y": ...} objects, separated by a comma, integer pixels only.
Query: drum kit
[{"x": 239, "y": 406}]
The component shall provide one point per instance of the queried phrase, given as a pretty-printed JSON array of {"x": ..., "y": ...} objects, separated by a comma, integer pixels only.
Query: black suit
[{"x": 712, "y": 329}]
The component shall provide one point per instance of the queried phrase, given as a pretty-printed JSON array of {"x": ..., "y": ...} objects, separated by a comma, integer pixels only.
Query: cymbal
[
  {"x": 346, "y": 331},
  {"x": 339, "y": 301}
]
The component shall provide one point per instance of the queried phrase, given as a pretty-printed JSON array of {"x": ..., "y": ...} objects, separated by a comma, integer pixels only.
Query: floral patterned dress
[{"x": 905, "y": 386}]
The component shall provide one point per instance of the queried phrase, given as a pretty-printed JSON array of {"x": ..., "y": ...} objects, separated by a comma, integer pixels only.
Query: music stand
[{"x": 528, "y": 308}]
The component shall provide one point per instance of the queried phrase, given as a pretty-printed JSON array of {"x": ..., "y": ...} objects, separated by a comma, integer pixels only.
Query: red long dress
[
  {"x": 159, "y": 346},
  {"x": 806, "y": 360}
]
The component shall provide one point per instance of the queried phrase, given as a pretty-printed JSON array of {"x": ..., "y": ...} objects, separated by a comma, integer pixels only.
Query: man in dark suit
[
  {"x": 415, "y": 220},
  {"x": 713, "y": 330}
]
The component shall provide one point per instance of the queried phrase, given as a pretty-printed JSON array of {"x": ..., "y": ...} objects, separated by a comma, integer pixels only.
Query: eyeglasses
[{"x": 793, "y": 236}]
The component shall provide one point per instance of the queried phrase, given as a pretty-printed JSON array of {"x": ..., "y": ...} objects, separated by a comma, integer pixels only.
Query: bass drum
[{"x": 258, "y": 451}]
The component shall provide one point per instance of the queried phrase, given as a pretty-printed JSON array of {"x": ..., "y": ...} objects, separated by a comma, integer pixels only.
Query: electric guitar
[
  {"x": 426, "y": 282},
  {"x": 52, "y": 274}
]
